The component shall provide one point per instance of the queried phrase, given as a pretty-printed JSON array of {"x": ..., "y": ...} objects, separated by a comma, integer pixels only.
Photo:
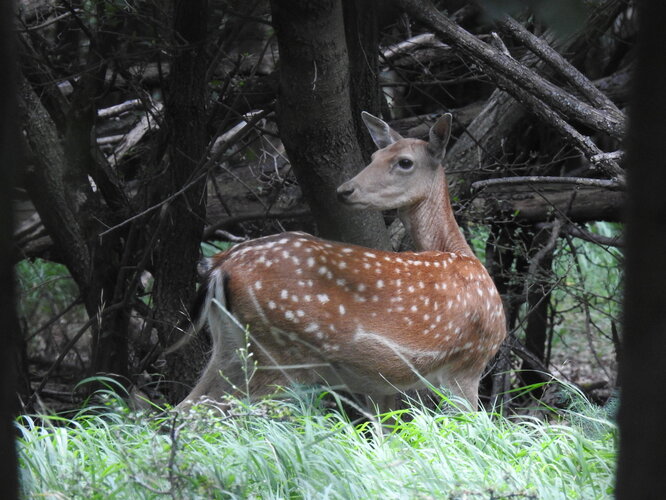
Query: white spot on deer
[
  {"x": 457, "y": 330},
  {"x": 347, "y": 250},
  {"x": 360, "y": 287},
  {"x": 449, "y": 304},
  {"x": 285, "y": 254},
  {"x": 322, "y": 270},
  {"x": 300, "y": 313},
  {"x": 340, "y": 282},
  {"x": 294, "y": 298},
  {"x": 366, "y": 265},
  {"x": 257, "y": 285},
  {"x": 480, "y": 292},
  {"x": 380, "y": 283},
  {"x": 289, "y": 315},
  {"x": 410, "y": 289},
  {"x": 414, "y": 308},
  {"x": 370, "y": 254},
  {"x": 375, "y": 298},
  {"x": 421, "y": 284},
  {"x": 467, "y": 345},
  {"x": 283, "y": 241},
  {"x": 453, "y": 255},
  {"x": 268, "y": 263},
  {"x": 342, "y": 310},
  {"x": 342, "y": 264},
  {"x": 359, "y": 298},
  {"x": 311, "y": 262},
  {"x": 296, "y": 261},
  {"x": 298, "y": 244},
  {"x": 307, "y": 298},
  {"x": 399, "y": 309},
  {"x": 271, "y": 304},
  {"x": 438, "y": 318},
  {"x": 332, "y": 327},
  {"x": 443, "y": 286},
  {"x": 284, "y": 294},
  {"x": 426, "y": 317},
  {"x": 323, "y": 298},
  {"x": 436, "y": 264},
  {"x": 311, "y": 328},
  {"x": 398, "y": 282}
]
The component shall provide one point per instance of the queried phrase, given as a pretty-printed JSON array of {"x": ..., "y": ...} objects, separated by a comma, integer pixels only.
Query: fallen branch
[
  {"x": 535, "y": 179},
  {"x": 497, "y": 63}
]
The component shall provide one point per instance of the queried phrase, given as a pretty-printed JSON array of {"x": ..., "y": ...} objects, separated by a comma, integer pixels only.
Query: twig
[
  {"x": 119, "y": 108},
  {"x": 547, "y": 179},
  {"x": 235, "y": 219},
  {"x": 69, "y": 346}
]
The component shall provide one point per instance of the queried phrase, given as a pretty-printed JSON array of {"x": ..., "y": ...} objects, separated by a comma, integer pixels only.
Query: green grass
[{"x": 293, "y": 449}]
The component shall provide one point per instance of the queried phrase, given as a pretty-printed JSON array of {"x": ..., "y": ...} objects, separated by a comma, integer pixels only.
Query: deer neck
[{"x": 431, "y": 222}]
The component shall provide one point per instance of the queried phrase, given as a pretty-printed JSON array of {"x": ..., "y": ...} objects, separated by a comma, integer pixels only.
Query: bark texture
[
  {"x": 315, "y": 115},
  {"x": 178, "y": 247}
]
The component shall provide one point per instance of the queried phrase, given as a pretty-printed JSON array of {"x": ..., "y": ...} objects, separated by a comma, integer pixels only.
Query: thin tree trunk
[
  {"x": 178, "y": 249},
  {"x": 314, "y": 115}
]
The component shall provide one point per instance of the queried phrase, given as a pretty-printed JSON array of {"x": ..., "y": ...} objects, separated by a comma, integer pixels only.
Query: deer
[{"x": 370, "y": 321}]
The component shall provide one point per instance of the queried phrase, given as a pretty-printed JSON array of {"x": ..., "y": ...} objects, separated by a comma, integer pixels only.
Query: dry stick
[
  {"x": 550, "y": 56},
  {"x": 235, "y": 219},
  {"x": 493, "y": 60},
  {"x": 199, "y": 173},
  {"x": 581, "y": 142},
  {"x": 69, "y": 346},
  {"x": 55, "y": 318},
  {"x": 583, "y": 234},
  {"x": 547, "y": 179}
]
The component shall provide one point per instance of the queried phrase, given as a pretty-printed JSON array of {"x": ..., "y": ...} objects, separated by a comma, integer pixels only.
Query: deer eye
[{"x": 405, "y": 164}]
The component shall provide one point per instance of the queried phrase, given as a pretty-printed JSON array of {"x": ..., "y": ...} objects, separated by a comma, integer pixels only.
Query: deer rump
[{"x": 367, "y": 321}]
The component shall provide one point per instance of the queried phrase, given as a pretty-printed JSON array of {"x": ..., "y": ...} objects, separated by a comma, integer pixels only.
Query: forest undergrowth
[{"x": 295, "y": 448}]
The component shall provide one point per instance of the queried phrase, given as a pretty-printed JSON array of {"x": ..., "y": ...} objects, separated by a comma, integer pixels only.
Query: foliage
[
  {"x": 44, "y": 288},
  {"x": 293, "y": 449}
]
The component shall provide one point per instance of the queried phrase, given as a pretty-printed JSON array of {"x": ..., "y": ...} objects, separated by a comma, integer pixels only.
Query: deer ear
[
  {"x": 439, "y": 136},
  {"x": 381, "y": 133}
]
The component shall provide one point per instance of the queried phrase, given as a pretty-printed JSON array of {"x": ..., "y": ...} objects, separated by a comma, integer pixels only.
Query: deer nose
[{"x": 344, "y": 192}]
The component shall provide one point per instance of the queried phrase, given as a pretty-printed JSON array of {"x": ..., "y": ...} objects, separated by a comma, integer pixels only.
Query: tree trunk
[
  {"x": 8, "y": 319},
  {"x": 315, "y": 115},
  {"x": 178, "y": 248},
  {"x": 642, "y": 459},
  {"x": 362, "y": 36}
]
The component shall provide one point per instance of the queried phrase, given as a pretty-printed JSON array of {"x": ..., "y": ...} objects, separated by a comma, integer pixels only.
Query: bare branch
[
  {"x": 503, "y": 66},
  {"x": 535, "y": 179},
  {"x": 560, "y": 64}
]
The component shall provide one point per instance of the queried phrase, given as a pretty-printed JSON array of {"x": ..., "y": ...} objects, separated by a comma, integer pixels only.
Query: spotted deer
[{"x": 371, "y": 321}]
